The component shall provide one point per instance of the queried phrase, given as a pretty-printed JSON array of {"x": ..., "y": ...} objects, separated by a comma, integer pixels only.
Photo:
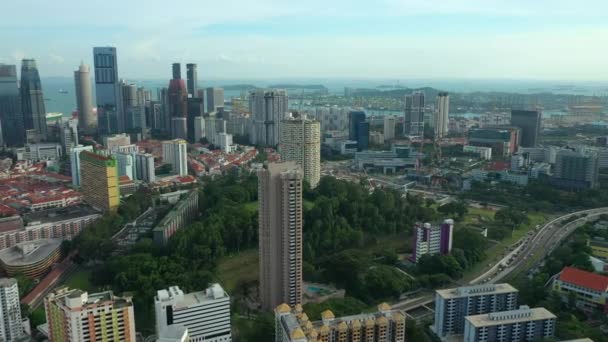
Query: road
[{"x": 541, "y": 244}]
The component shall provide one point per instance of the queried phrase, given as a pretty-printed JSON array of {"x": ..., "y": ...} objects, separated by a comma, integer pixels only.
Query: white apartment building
[
  {"x": 76, "y": 316},
  {"x": 453, "y": 305},
  {"x": 11, "y": 327},
  {"x": 205, "y": 314},
  {"x": 75, "y": 162},
  {"x": 442, "y": 115},
  {"x": 175, "y": 152},
  {"x": 225, "y": 142},
  {"x": 126, "y": 165},
  {"x": 523, "y": 324}
]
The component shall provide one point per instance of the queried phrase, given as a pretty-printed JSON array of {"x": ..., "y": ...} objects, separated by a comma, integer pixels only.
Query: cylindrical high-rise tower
[{"x": 84, "y": 98}]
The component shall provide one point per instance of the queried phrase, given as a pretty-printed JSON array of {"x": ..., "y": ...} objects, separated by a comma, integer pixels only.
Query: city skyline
[{"x": 515, "y": 40}]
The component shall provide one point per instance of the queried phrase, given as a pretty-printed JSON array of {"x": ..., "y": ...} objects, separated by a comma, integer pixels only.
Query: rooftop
[
  {"x": 584, "y": 279},
  {"x": 175, "y": 294},
  {"x": 30, "y": 252},
  {"x": 523, "y": 314},
  {"x": 58, "y": 215},
  {"x": 476, "y": 290}
]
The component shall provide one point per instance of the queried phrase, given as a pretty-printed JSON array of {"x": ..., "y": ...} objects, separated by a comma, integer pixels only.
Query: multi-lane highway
[{"x": 532, "y": 249}]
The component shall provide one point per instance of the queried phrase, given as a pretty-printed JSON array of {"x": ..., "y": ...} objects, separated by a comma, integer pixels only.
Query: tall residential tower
[
  {"x": 301, "y": 142},
  {"x": 99, "y": 181},
  {"x": 414, "y": 114},
  {"x": 280, "y": 231},
  {"x": 267, "y": 108},
  {"x": 11, "y": 326},
  {"x": 442, "y": 115}
]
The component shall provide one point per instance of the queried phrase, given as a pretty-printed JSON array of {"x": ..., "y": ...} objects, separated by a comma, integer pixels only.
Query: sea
[{"x": 59, "y": 92}]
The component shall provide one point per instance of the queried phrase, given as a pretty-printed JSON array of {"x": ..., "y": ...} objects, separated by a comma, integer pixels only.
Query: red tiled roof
[{"x": 585, "y": 279}]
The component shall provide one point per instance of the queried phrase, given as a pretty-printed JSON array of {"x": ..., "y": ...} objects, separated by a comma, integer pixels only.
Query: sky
[{"x": 324, "y": 39}]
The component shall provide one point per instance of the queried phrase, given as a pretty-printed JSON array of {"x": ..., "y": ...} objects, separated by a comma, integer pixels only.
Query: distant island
[
  {"x": 239, "y": 87},
  {"x": 299, "y": 86}
]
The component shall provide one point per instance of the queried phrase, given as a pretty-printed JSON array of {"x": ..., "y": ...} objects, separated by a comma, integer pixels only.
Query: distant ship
[
  {"x": 63, "y": 91},
  {"x": 52, "y": 117}
]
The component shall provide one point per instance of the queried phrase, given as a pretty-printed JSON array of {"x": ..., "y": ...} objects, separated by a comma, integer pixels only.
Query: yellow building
[
  {"x": 99, "y": 181},
  {"x": 386, "y": 325},
  {"x": 599, "y": 248}
]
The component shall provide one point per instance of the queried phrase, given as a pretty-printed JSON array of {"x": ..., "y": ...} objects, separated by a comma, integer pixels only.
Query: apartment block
[
  {"x": 280, "y": 232},
  {"x": 175, "y": 153},
  {"x": 77, "y": 316},
  {"x": 301, "y": 142},
  {"x": 453, "y": 305},
  {"x": 99, "y": 181},
  {"x": 523, "y": 324},
  {"x": 11, "y": 327},
  {"x": 385, "y": 325},
  {"x": 432, "y": 239}
]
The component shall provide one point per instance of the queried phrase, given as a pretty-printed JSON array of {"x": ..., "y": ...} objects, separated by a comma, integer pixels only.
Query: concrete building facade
[
  {"x": 175, "y": 153},
  {"x": 267, "y": 108},
  {"x": 442, "y": 115},
  {"x": 110, "y": 113},
  {"x": 523, "y": 324},
  {"x": 301, "y": 142},
  {"x": 205, "y": 314},
  {"x": 75, "y": 162},
  {"x": 99, "y": 181},
  {"x": 280, "y": 231},
  {"x": 453, "y": 305},
  {"x": 77, "y": 316},
  {"x": 11, "y": 326},
  {"x": 432, "y": 239}
]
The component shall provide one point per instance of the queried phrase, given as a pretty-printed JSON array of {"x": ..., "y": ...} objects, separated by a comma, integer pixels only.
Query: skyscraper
[
  {"x": 192, "y": 79},
  {"x": 280, "y": 232},
  {"x": 358, "y": 129},
  {"x": 32, "y": 99},
  {"x": 110, "y": 113},
  {"x": 301, "y": 142},
  {"x": 267, "y": 108},
  {"x": 77, "y": 316},
  {"x": 75, "y": 162},
  {"x": 11, "y": 117},
  {"x": 442, "y": 113},
  {"x": 389, "y": 127},
  {"x": 11, "y": 326},
  {"x": 175, "y": 153},
  {"x": 178, "y": 105},
  {"x": 84, "y": 98},
  {"x": 206, "y": 314},
  {"x": 99, "y": 181},
  {"x": 529, "y": 121},
  {"x": 215, "y": 99},
  {"x": 414, "y": 114},
  {"x": 196, "y": 108}
]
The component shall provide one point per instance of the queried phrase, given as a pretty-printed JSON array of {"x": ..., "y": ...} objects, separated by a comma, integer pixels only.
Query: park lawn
[
  {"x": 475, "y": 214},
  {"x": 238, "y": 269},
  {"x": 80, "y": 279}
]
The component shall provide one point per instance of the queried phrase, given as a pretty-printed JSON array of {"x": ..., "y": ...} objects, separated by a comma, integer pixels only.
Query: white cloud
[{"x": 56, "y": 58}]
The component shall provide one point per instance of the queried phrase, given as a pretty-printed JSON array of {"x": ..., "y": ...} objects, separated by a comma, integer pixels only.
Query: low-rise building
[
  {"x": 385, "y": 325},
  {"x": 599, "y": 248},
  {"x": 33, "y": 259},
  {"x": 590, "y": 289},
  {"x": 179, "y": 217},
  {"x": 483, "y": 152},
  {"x": 523, "y": 324}
]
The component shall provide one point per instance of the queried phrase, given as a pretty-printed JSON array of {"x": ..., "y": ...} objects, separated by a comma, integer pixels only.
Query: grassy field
[
  {"x": 478, "y": 216},
  {"x": 80, "y": 279},
  {"x": 237, "y": 269}
]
